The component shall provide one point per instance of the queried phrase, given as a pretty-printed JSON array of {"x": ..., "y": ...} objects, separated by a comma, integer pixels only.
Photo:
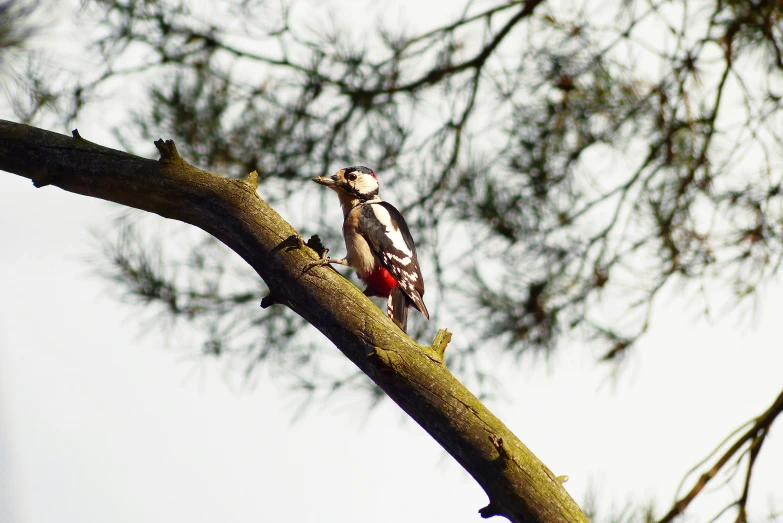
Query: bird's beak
[{"x": 323, "y": 180}]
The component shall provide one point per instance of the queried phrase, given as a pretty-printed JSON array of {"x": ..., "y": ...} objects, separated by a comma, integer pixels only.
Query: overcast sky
[{"x": 99, "y": 423}]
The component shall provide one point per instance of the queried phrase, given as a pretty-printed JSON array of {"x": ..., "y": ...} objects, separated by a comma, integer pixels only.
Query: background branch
[{"x": 754, "y": 438}]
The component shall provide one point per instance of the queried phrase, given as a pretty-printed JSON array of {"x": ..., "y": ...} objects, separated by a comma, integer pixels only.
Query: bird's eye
[{"x": 350, "y": 177}]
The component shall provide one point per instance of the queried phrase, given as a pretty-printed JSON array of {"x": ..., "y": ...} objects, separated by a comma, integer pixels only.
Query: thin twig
[{"x": 755, "y": 436}]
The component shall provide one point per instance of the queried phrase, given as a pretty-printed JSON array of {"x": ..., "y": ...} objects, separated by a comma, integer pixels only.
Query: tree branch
[
  {"x": 754, "y": 437},
  {"x": 519, "y": 486}
]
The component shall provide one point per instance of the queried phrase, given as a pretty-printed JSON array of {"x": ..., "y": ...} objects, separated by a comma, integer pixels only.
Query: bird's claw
[{"x": 324, "y": 260}]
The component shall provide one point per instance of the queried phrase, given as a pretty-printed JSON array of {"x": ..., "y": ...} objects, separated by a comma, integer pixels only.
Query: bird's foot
[{"x": 325, "y": 260}]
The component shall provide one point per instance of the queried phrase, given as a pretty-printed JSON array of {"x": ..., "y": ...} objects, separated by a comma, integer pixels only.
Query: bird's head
[{"x": 352, "y": 183}]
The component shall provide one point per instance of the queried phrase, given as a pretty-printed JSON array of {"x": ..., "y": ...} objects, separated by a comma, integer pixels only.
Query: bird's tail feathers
[{"x": 397, "y": 308}]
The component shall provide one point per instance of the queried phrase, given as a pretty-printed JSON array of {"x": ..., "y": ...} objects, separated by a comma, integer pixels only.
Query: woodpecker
[{"x": 379, "y": 243}]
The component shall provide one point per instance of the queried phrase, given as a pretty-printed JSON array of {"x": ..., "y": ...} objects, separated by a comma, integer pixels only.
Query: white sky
[{"x": 99, "y": 424}]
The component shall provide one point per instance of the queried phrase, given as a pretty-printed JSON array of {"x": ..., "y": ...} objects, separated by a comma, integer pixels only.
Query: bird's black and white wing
[{"x": 388, "y": 235}]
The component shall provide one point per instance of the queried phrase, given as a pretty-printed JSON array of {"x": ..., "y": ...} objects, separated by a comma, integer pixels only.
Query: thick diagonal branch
[{"x": 519, "y": 486}]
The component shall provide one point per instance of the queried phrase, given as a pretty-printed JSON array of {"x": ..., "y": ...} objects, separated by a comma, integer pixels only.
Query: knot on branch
[
  {"x": 76, "y": 135},
  {"x": 497, "y": 442},
  {"x": 42, "y": 180},
  {"x": 442, "y": 339},
  {"x": 252, "y": 180},
  {"x": 269, "y": 300},
  {"x": 490, "y": 511},
  {"x": 438, "y": 348},
  {"x": 317, "y": 245},
  {"x": 168, "y": 152}
]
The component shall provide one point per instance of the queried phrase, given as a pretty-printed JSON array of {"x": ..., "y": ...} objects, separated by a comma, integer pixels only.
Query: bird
[{"x": 379, "y": 244}]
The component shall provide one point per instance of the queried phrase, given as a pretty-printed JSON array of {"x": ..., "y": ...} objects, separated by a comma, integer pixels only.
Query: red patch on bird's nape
[{"x": 380, "y": 282}]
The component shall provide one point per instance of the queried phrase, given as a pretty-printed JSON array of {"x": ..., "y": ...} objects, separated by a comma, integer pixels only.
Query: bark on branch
[{"x": 518, "y": 485}]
